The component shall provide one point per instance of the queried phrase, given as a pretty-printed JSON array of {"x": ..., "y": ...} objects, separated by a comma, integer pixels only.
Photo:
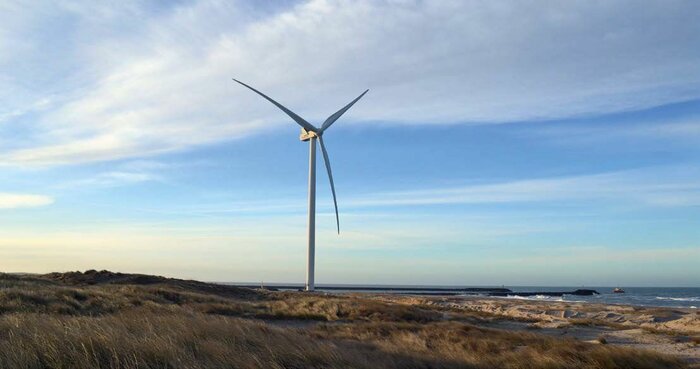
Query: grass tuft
[{"x": 120, "y": 321}]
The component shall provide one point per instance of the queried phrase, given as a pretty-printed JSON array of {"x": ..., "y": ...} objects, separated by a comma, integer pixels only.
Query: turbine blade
[
  {"x": 330, "y": 177},
  {"x": 306, "y": 125},
  {"x": 330, "y": 120}
]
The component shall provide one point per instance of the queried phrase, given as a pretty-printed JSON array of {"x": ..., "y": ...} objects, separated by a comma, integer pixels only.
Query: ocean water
[{"x": 677, "y": 297}]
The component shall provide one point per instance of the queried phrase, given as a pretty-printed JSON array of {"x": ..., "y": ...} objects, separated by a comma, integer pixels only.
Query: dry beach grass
[{"x": 103, "y": 320}]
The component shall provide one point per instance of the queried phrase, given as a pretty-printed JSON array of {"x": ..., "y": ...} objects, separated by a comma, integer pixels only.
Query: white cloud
[
  {"x": 128, "y": 173},
  {"x": 161, "y": 81},
  {"x": 630, "y": 189},
  {"x": 13, "y": 200},
  {"x": 679, "y": 186},
  {"x": 113, "y": 179},
  {"x": 643, "y": 133}
]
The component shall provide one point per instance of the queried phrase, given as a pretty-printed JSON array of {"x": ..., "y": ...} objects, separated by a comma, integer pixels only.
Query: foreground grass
[
  {"x": 54, "y": 322},
  {"x": 179, "y": 339},
  {"x": 140, "y": 339},
  {"x": 476, "y": 347}
]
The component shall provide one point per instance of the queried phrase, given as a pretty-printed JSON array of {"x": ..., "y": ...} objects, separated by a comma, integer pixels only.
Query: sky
[{"x": 501, "y": 143}]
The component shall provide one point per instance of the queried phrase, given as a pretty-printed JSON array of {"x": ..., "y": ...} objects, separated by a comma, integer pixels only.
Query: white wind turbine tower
[{"x": 311, "y": 134}]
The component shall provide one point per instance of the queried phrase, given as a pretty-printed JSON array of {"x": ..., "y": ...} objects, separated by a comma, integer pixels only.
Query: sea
[{"x": 672, "y": 297}]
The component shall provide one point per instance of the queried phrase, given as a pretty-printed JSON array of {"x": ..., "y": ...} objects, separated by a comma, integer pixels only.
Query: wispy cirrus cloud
[
  {"x": 679, "y": 186},
  {"x": 646, "y": 187},
  {"x": 684, "y": 131},
  {"x": 124, "y": 174},
  {"x": 157, "y": 78},
  {"x": 111, "y": 179},
  {"x": 15, "y": 200}
]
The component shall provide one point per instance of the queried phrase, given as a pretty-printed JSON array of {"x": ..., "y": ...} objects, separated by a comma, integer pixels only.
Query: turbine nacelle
[{"x": 307, "y": 135}]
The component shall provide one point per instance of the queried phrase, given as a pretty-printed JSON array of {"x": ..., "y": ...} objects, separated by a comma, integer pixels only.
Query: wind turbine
[{"x": 310, "y": 133}]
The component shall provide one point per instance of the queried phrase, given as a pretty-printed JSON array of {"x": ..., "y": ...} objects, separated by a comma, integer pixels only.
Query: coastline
[{"x": 119, "y": 317}]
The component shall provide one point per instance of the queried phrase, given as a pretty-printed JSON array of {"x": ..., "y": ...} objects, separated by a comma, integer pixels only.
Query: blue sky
[{"x": 509, "y": 143}]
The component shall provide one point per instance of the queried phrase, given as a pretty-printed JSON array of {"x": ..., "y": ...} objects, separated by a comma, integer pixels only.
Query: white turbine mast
[{"x": 312, "y": 134}]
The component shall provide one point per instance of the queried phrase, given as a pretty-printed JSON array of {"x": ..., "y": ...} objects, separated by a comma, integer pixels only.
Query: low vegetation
[{"x": 109, "y": 320}]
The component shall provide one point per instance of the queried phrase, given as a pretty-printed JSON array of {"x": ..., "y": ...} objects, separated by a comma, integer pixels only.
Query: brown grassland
[{"x": 107, "y": 320}]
